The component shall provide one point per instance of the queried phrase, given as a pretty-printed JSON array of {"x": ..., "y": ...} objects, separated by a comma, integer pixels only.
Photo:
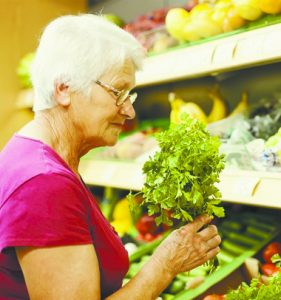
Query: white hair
[{"x": 76, "y": 50}]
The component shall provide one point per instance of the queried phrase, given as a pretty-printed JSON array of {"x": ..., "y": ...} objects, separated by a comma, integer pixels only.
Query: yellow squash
[
  {"x": 270, "y": 6},
  {"x": 242, "y": 106},
  {"x": 219, "y": 109},
  {"x": 179, "y": 107}
]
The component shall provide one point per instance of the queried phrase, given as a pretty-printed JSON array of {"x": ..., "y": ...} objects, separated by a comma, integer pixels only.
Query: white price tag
[
  {"x": 223, "y": 53},
  {"x": 245, "y": 186}
]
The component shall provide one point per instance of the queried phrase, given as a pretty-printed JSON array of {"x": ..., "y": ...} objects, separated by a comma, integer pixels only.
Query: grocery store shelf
[
  {"x": 251, "y": 187},
  {"x": 246, "y": 187},
  {"x": 251, "y": 48},
  {"x": 116, "y": 174}
]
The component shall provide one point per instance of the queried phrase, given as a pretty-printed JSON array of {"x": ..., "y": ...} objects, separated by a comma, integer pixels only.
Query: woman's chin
[{"x": 112, "y": 140}]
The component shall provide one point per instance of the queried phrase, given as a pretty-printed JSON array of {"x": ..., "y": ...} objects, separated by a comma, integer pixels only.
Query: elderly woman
[{"x": 54, "y": 241}]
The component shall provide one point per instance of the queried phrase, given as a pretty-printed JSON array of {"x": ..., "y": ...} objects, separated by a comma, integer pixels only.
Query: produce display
[
  {"x": 251, "y": 138},
  {"x": 151, "y": 32},
  {"x": 243, "y": 235},
  {"x": 218, "y": 112},
  {"x": 257, "y": 291},
  {"x": 197, "y": 20},
  {"x": 250, "y": 134},
  {"x": 215, "y": 17}
]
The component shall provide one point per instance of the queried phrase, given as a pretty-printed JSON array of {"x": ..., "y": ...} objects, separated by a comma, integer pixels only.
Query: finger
[
  {"x": 199, "y": 222},
  {"x": 213, "y": 252},
  {"x": 214, "y": 242},
  {"x": 208, "y": 233}
]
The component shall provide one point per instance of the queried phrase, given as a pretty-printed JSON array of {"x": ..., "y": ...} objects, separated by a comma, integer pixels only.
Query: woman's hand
[{"x": 188, "y": 247}]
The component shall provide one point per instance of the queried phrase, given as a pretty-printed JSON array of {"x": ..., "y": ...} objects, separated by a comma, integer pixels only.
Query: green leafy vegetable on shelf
[
  {"x": 181, "y": 177},
  {"x": 23, "y": 70},
  {"x": 258, "y": 291}
]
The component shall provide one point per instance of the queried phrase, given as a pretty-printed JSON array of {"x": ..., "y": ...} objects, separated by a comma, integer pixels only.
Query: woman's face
[{"x": 98, "y": 119}]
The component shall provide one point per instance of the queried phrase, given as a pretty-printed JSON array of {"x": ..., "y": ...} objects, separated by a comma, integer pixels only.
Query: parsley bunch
[
  {"x": 258, "y": 291},
  {"x": 180, "y": 178}
]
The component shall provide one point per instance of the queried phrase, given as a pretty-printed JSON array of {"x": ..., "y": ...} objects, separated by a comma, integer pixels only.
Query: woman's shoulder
[{"x": 25, "y": 160}]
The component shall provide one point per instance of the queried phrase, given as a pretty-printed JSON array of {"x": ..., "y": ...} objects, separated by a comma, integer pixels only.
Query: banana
[
  {"x": 242, "y": 106},
  {"x": 176, "y": 103},
  {"x": 219, "y": 109},
  {"x": 179, "y": 107}
]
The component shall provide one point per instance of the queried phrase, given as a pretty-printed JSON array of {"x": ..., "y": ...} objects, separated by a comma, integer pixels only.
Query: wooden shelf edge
[{"x": 237, "y": 186}]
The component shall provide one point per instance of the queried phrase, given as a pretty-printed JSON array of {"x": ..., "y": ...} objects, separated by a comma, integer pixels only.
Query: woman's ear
[{"x": 62, "y": 94}]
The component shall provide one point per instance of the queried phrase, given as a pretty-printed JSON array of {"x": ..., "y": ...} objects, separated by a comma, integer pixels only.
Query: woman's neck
[{"x": 53, "y": 127}]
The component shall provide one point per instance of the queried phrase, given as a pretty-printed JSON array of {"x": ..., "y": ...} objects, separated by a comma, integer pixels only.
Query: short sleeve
[{"x": 47, "y": 210}]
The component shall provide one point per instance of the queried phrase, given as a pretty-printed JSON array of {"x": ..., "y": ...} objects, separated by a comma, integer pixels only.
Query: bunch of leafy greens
[
  {"x": 181, "y": 177},
  {"x": 23, "y": 70},
  {"x": 258, "y": 291}
]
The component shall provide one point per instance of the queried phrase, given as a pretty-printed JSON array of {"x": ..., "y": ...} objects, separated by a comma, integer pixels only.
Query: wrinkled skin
[{"x": 189, "y": 247}]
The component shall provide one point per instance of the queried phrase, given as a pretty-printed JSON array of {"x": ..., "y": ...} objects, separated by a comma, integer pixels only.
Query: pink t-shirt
[{"x": 43, "y": 203}]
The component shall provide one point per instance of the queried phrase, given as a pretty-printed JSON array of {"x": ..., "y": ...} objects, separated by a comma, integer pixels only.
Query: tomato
[
  {"x": 140, "y": 237},
  {"x": 270, "y": 269},
  {"x": 271, "y": 249},
  {"x": 146, "y": 224},
  {"x": 149, "y": 237},
  {"x": 214, "y": 297}
]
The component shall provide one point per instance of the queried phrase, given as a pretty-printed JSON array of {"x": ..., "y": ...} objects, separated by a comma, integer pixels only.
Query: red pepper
[
  {"x": 146, "y": 224},
  {"x": 270, "y": 269},
  {"x": 270, "y": 250}
]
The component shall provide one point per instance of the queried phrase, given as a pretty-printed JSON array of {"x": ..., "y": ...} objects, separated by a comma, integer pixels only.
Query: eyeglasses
[{"x": 121, "y": 96}]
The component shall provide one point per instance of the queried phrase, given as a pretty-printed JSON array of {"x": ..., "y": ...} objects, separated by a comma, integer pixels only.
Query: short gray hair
[{"x": 76, "y": 50}]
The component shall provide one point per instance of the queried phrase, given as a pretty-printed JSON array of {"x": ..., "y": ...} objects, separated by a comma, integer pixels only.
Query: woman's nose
[{"x": 128, "y": 110}]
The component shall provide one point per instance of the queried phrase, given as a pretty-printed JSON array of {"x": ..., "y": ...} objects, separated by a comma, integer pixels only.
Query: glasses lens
[
  {"x": 122, "y": 97},
  {"x": 133, "y": 97}
]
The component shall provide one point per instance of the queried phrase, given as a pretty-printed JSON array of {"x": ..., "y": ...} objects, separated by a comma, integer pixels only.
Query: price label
[
  {"x": 246, "y": 186},
  {"x": 223, "y": 54}
]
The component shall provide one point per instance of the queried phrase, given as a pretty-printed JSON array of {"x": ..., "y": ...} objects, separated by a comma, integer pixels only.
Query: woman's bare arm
[
  {"x": 183, "y": 250},
  {"x": 66, "y": 272},
  {"x": 72, "y": 272}
]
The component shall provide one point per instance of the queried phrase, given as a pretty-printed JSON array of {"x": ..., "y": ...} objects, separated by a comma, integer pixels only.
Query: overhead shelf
[
  {"x": 245, "y": 187},
  {"x": 246, "y": 49},
  {"x": 251, "y": 48}
]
